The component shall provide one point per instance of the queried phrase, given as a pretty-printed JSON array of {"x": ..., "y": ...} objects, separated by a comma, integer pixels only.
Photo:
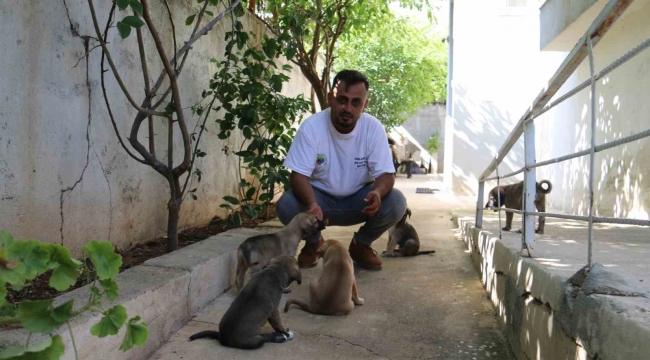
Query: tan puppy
[
  {"x": 257, "y": 251},
  {"x": 335, "y": 291}
]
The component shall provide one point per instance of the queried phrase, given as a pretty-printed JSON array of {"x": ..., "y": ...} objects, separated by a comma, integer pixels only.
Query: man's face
[{"x": 346, "y": 105}]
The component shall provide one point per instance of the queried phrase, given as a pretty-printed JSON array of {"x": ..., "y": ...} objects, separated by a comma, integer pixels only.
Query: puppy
[
  {"x": 404, "y": 235},
  {"x": 511, "y": 196},
  {"x": 257, "y": 303},
  {"x": 256, "y": 251},
  {"x": 335, "y": 291}
]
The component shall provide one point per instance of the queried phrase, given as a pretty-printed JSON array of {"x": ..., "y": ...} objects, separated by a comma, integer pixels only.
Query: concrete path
[{"x": 429, "y": 307}]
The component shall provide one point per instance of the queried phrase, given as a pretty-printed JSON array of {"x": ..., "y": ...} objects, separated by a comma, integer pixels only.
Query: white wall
[
  {"x": 63, "y": 176},
  {"x": 498, "y": 71},
  {"x": 622, "y": 174}
]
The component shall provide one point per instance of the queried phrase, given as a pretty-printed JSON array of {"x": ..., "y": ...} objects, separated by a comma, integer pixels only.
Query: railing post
[
  {"x": 479, "y": 205},
  {"x": 592, "y": 154},
  {"x": 530, "y": 186}
]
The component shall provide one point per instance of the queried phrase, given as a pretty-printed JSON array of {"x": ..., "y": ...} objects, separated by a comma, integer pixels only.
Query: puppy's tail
[
  {"x": 425, "y": 252},
  {"x": 303, "y": 305},
  {"x": 549, "y": 186},
  {"x": 208, "y": 334}
]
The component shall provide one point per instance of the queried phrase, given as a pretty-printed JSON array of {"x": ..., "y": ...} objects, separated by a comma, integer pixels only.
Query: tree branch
[
  {"x": 108, "y": 105},
  {"x": 114, "y": 68},
  {"x": 147, "y": 90},
  {"x": 176, "y": 96},
  {"x": 171, "y": 21}
]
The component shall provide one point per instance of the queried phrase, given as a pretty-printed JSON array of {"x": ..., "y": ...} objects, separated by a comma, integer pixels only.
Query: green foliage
[
  {"x": 433, "y": 144},
  {"x": 50, "y": 349},
  {"x": 130, "y": 21},
  {"x": 110, "y": 323},
  {"x": 314, "y": 29},
  {"x": 248, "y": 84},
  {"x": 406, "y": 66},
  {"x": 24, "y": 260}
]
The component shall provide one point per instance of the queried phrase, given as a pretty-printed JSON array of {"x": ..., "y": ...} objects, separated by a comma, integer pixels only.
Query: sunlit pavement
[{"x": 428, "y": 307}]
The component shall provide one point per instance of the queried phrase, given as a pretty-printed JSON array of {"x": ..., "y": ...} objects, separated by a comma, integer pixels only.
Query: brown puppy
[
  {"x": 404, "y": 235},
  {"x": 335, "y": 291},
  {"x": 511, "y": 196},
  {"x": 257, "y": 303},
  {"x": 257, "y": 251}
]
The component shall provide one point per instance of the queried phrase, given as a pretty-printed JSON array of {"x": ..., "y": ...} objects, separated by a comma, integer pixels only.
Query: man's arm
[
  {"x": 303, "y": 191},
  {"x": 380, "y": 188}
]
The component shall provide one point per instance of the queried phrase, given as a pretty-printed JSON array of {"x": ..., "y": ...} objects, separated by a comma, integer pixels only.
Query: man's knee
[
  {"x": 287, "y": 207},
  {"x": 394, "y": 205}
]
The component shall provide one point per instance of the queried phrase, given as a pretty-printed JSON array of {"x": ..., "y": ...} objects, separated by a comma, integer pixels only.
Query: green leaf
[
  {"x": 6, "y": 238},
  {"x": 14, "y": 276},
  {"x": 111, "y": 323},
  {"x": 66, "y": 268},
  {"x": 63, "y": 313},
  {"x": 135, "y": 5},
  {"x": 265, "y": 196},
  {"x": 231, "y": 200},
  {"x": 50, "y": 349},
  {"x": 250, "y": 193},
  {"x": 3, "y": 298},
  {"x": 291, "y": 53},
  {"x": 238, "y": 10},
  {"x": 36, "y": 316},
  {"x": 123, "y": 29},
  {"x": 137, "y": 333},
  {"x": 209, "y": 13},
  {"x": 33, "y": 254},
  {"x": 227, "y": 206},
  {"x": 248, "y": 132},
  {"x": 111, "y": 288},
  {"x": 133, "y": 21},
  {"x": 102, "y": 253},
  {"x": 190, "y": 19},
  {"x": 122, "y": 4},
  {"x": 237, "y": 219}
]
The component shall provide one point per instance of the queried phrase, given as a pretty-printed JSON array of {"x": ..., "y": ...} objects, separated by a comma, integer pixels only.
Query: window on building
[{"x": 516, "y": 3}]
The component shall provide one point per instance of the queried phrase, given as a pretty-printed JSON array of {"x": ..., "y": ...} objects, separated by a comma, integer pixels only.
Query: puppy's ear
[{"x": 408, "y": 212}]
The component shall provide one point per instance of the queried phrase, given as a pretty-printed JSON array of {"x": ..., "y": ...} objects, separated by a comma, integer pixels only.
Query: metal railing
[{"x": 526, "y": 126}]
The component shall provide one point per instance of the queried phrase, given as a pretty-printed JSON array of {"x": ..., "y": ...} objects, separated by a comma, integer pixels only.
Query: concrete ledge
[
  {"x": 166, "y": 292},
  {"x": 545, "y": 317}
]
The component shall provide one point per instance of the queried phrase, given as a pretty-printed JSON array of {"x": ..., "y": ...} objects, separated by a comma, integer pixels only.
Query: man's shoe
[
  {"x": 308, "y": 257},
  {"x": 365, "y": 256}
]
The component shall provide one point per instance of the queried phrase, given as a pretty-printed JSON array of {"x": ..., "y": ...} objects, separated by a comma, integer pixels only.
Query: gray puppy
[
  {"x": 257, "y": 303},
  {"x": 404, "y": 235},
  {"x": 257, "y": 251}
]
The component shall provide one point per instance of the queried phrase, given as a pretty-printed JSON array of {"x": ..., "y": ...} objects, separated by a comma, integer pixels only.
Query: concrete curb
[
  {"x": 166, "y": 292},
  {"x": 543, "y": 318}
]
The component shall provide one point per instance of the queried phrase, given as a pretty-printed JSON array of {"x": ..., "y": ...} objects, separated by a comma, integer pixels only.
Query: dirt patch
[{"x": 39, "y": 289}]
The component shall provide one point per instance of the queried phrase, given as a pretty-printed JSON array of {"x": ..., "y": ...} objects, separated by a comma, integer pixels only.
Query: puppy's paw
[
  {"x": 359, "y": 301},
  {"x": 286, "y": 290},
  {"x": 288, "y": 335}
]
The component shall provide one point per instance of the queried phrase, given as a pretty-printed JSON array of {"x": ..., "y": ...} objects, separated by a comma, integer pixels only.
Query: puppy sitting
[
  {"x": 404, "y": 235},
  {"x": 256, "y": 252},
  {"x": 335, "y": 291},
  {"x": 511, "y": 196},
  {"x": 257, "y": 303}
]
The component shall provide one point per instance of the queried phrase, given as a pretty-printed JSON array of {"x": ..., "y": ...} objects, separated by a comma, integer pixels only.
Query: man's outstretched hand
[
  {"x": 374, "y": 203},
  {"x": 316, "y": 210}
]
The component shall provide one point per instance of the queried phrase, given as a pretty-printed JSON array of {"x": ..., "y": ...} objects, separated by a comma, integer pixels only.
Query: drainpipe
[
  {"x": 447, "y": 161},
  {"x": 450, "y": 60}
]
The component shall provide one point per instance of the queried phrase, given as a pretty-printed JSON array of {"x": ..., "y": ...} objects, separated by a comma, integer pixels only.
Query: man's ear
[{"x": 365, "y": 105}]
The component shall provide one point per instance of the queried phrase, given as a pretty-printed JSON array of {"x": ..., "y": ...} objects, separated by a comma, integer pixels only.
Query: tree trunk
[
  {"x": 174, "y": 209},
  {"x": 317, "y": 86}
]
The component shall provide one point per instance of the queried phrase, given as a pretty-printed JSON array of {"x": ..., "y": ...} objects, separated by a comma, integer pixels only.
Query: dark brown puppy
[
  {"x": 257, "y": 303},
  {"x": 511, "y": 196},
  {"x": 404, "y": 235}
]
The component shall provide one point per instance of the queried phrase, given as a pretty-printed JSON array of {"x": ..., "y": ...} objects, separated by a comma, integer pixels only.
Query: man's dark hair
[{"x": 350, "y": 77}]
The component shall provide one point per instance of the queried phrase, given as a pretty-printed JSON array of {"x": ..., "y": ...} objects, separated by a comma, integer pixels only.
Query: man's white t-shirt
[{"x": 340, "y": 164}]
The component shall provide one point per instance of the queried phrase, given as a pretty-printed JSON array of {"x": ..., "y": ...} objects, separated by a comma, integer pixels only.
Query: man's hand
[
  {"x": 316, "y": 210},
  {"x": 374, "y": 203}
]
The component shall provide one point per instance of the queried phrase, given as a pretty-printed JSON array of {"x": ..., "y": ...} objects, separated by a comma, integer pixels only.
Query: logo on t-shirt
[
  {"x": 321, "y": 160},
  {"x": 361, "y": 162}
]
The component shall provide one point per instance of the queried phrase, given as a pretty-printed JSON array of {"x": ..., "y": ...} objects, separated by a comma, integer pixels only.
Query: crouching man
[{"x": 342, "y": 171}]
